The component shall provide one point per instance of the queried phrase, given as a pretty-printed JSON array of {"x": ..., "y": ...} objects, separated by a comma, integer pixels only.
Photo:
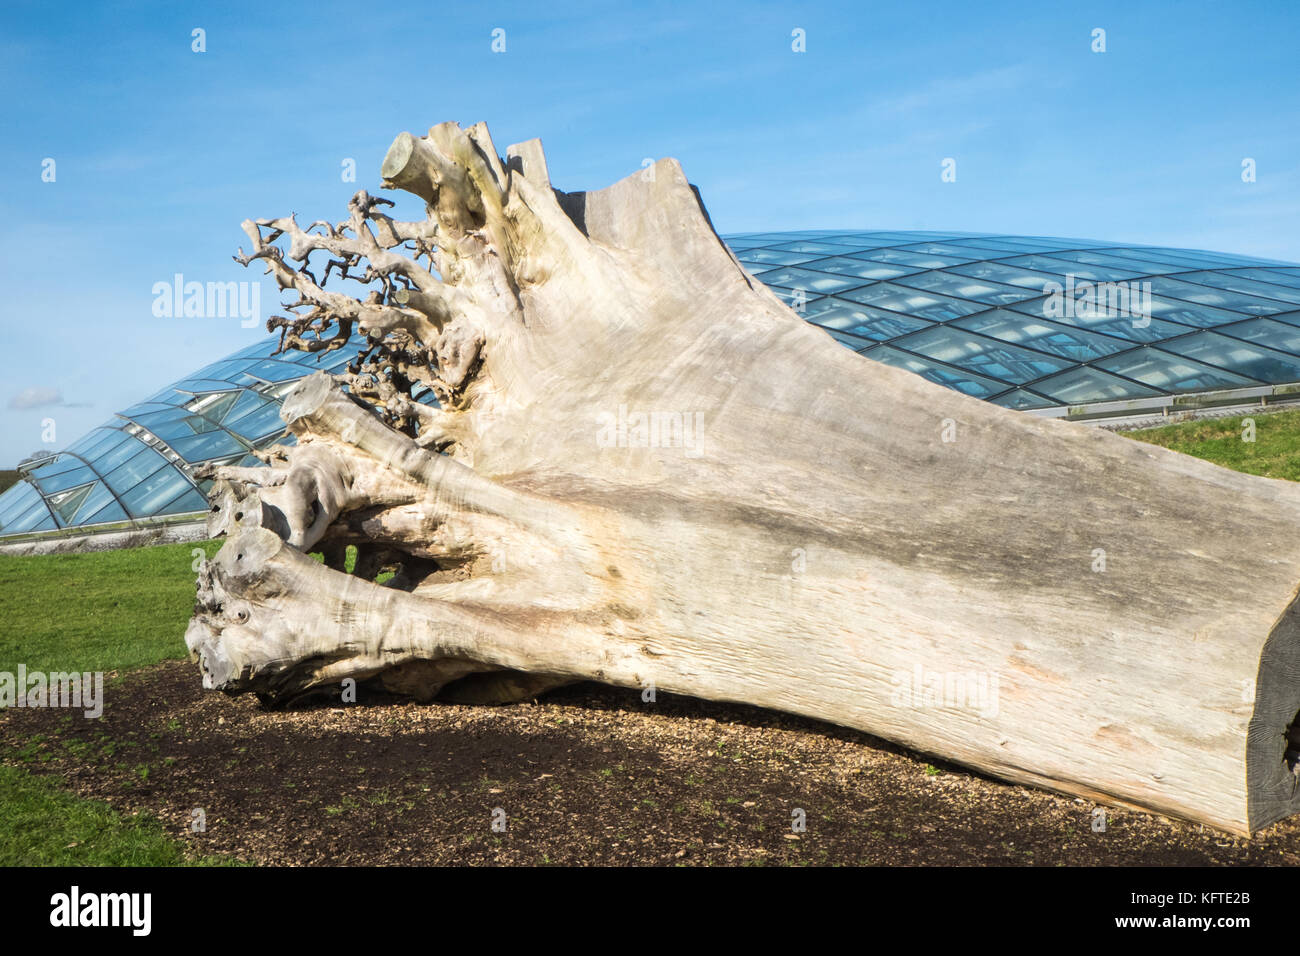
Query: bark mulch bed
[{"x": 585, "y": 775}]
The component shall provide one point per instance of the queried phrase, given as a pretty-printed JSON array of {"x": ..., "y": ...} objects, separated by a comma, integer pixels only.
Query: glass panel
[
  {"x": 1133, "y": 330},
  {"x": 35, "y": 518},
  {"x": 990, "y": 358},
  {"x": 1244, "y": 284},
  {"x": 848, "y": 266},
  {"x": 64, "y": 504},
  {"x": 204, "y": 447},
  {"x": 942, "y": 249},
  {"x": 1061, "y": 340},
  {"x": 820, "y": 248},
  {"x": 1022, "y": 398},
  {"x": 1080, "y": 270},
  {"x": 67, "y": 479},
  {"x": 1181, "y": 258},
  {"x": 810, "y": 281},
  {"x": 1083, "y": 385},
  {"x": 1188, "y": 313},
  {"x": 853, "y": 342},
  {"x": 1253, "y": 360},
  {"x": 15, "y": 502},
  {"x": 213, "y": 405},
  {"x": 249, "y": 401},
  {"x": 119, "y": 454},
  {"x": 257, "y": 423},
  {"x": 964, "y": 287},
  {"x": 45, "y": 524},
  {"x": 1110, "y": 258},
  {"x": 55, "y": 466},
  {"x": 155, "y": 420},
  {"x": 278, "y": 392},
  {"x": 954, "y": 378},
  {"x": 1007, "y": 275},
  {"x": 148, "y": 495},
  {"x": 99, "y": 496},
  {"x": 1170, "y": 373},
  {"x": 199, "y": 424},
  {"x": 169, "y": 426},
  {"x": 191, "y": 387},
  {"x": 1287, "y": 277},
  {"x": 1190, "y": 292},
  {"x": 1290, "y": 318},
  {"x": 902, "y": 257},
  {"x": 858, "y": 242},
  {"x": 797, "y": 299},
  {"x": 1276, "y": 335},
  {"x": 110, "y": 512},
  {"x": 776, "y": 256},
  {"x": 98, "y": 442},
  {"x": 191, "y": 500},
  {"x": 862, "y": 320},
  {"x": 273, "y": 371},
  {"x": 131, "y": 472},
  {"x": 912, "y": 302}
]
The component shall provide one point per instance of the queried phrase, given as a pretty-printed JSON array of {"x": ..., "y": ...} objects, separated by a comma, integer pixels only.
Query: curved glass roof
[
  {"x": 138, "y": 465},
  {"x": 1031, "y": 322},
  {"x": 1022, "y": 321}
]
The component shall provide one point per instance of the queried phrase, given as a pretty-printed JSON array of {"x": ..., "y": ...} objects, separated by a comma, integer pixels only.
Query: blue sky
[{"x": 160, "y": 151}]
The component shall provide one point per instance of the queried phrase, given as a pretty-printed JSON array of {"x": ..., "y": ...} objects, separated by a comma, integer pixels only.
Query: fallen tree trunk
[{"x": 645, "y": 470}]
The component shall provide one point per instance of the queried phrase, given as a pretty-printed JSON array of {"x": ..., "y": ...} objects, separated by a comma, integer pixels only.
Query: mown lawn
[
  {"x": 111, "y": 610},
  {"x": 1275, "y": 452}
]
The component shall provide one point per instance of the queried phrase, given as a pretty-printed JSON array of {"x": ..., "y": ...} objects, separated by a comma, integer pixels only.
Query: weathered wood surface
[{"x": 808, "y": 541}]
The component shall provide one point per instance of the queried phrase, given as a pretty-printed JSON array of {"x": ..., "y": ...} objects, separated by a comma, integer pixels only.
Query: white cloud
[{"x": 36, "y": 397}]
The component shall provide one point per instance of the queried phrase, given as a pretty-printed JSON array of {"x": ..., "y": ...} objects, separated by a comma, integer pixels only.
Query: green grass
[
  {"x": 40, "y": 825},
  {"x": 111, "y": 610},
  {"x": 1275, "y": 452}
]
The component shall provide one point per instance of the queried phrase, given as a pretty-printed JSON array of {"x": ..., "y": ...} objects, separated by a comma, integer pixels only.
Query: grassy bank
[{"x": 1275, "y": 452}]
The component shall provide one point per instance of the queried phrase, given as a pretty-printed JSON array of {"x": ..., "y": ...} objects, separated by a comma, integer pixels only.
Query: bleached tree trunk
[{"x": 646, "y": 470}]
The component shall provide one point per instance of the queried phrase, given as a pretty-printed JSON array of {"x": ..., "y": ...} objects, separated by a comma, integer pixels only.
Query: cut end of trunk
[
  {"x": 398, "y": 155},
  {"x": 1273, "y": 740}
]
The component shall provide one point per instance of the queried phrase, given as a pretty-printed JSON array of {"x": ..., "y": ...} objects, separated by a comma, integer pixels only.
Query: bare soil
[{"x": 584, "y": 775}]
